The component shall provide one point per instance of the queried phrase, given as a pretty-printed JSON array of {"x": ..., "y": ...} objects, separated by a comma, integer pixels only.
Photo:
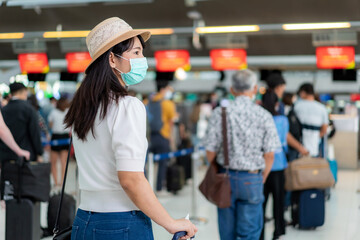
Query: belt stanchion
[
  {"x": 151, "y": 170},
  {"x": 195, "y": 157}
]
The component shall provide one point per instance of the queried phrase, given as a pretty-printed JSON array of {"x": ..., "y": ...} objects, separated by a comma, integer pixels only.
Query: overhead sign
[
  {"x": 77, "y": 62},
  {"x": 335, "y": 57},
  {"x": 170, "y": 60},
  {"x": 228, "y": 59},
  {"x": 33, "y": 63},
  {"x": 334, "y": 38}
]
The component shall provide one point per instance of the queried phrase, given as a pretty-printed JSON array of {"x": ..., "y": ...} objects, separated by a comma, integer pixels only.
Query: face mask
[
  {"x": 137, "y": 73},
  {"x": 168, "y": 95}
]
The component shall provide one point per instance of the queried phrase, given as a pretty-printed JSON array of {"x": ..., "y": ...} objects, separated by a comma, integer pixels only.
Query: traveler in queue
[
  {"x": 109, "y": 138},
  {"x": 275, "y": 183},
  {"x": 252, "y": 141},
  {"x": 313, "y": 117},
  {"x": 59, "y": 132},
  {"x": 22, "y": 121},
  {"x": 8, "y": 139}
]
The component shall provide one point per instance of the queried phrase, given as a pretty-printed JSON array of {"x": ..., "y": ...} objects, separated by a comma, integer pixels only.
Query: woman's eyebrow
[{"x": 137, "y": 48}]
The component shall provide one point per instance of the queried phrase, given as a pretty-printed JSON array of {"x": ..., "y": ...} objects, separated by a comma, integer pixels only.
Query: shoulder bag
[
  {"x": 64, "y": 234},
  {"x": 216, "y": 186}
]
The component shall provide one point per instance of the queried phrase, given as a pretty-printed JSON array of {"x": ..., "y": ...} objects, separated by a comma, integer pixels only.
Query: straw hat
[{"x": 107, "y": 34}]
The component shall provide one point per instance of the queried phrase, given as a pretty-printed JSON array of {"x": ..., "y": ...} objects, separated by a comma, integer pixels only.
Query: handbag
[
  {"x": 216, "y": 186},
  {"x": 308, "y": 173},
  {"x": 35, "y": 179},
  {"x": 64, "y": 234}
]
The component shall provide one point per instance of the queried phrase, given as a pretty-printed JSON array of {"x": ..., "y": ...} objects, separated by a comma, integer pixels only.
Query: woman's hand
[{"x": 182, "y": 225}]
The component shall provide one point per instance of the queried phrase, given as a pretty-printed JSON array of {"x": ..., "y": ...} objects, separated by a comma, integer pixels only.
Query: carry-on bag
[
  {"x": 35, "y": 176},
  {"x": 308, "y": 208},
  {"x": 308, "y": 173},
  {"x": 175, "y": 178},
  {"x": 216, "y": 186},
  {"x": 22, "y": 220},
  {"x": 67, "y": 214}
]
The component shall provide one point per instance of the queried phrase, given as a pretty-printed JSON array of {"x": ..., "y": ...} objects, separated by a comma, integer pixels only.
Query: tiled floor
[{"x": 342, "y": 213}]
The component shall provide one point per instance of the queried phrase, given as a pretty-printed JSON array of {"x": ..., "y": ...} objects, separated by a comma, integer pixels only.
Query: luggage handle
[{"x": 57, "y": 223}]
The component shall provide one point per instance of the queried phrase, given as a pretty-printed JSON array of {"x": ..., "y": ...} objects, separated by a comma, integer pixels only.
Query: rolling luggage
[
  {"x": 334, "y": 168},
  {"x": 67, "y": 214},
  {"x": 308, "y": 208},
  {"x": 175, "y": 178},
  {"x": 22, "y": 220}
]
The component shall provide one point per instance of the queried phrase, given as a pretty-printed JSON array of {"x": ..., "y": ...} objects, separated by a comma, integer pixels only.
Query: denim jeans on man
[
  {"x": 244, "y": 219},
  {"x": 133, "y": 225}
]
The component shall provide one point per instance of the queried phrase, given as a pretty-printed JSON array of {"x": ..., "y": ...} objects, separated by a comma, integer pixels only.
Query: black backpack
[{"x": 295, "y": 126}]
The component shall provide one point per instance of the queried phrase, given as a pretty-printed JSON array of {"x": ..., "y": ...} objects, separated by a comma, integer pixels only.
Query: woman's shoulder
[
  {"x": 128, "y": 102},
  {"x": 281, "y": 119}
]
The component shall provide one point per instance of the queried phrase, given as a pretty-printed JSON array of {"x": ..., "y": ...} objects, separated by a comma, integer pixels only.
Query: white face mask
[{"x": 168, "y": 95}]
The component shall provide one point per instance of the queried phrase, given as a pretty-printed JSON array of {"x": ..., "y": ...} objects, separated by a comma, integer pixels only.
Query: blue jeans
[
  {"x": 131, "y": 225},
  {"x": 244, "y": 218}
]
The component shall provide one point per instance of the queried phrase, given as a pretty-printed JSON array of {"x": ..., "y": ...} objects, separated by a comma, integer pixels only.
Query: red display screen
[
  {"x": 228, "y": 59},
  {"x": 33, "y": 63},
  {"x": 77, "y": 62},
  {"x": 170, "y": 60},
  {"x": 335, "y": 57}
]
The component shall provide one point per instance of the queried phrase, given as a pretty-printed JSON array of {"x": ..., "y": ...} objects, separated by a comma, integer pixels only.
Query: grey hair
[{"x": 243, "y": 81}]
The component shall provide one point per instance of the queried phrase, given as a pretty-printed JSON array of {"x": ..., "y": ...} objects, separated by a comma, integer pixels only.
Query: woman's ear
[{"x": 112, "y": 60}]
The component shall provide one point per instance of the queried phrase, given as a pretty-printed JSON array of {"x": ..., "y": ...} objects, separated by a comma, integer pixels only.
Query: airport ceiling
[{"x": 173, "y": 13}]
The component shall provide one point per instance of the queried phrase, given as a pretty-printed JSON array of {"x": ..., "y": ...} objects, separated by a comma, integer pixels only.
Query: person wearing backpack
[{"x": 162, "y": 112}]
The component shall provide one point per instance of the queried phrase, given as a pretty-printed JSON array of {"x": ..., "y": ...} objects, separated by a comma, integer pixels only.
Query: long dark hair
[
  {"x": 99, "y": 87},
  {"x": 269, "y": 101}
]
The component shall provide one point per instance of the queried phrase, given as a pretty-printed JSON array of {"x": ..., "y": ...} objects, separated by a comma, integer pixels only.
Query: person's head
[
  {"x": 18, "y": 90},
  {"x": 33, "y": 101},
  {"x": 62, "y": 104},
  {"x": 277, "y": 83},
  {"x": 117, "y": 62},
  {"x": 53, "y": 101},
  {"x": 289, "y": 99},
  {"x": 306, "y": 91},
  {"x": 244, "y": 83},
  {"x": 270, "y": 101}
]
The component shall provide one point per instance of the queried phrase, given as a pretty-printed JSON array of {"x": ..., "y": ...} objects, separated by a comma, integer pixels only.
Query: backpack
[
  {"x": 295, "y": 126},
  {"x": 155, "y": 116}
]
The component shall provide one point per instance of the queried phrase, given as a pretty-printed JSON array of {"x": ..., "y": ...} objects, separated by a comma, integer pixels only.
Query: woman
[
  {"x": 275, "y": 184},
  {"x": 109, "y": 137},
  {"x": 59, "y": 132}
]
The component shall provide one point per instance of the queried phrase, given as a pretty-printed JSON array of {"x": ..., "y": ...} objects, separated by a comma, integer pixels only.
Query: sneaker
[{"x": 163, "y": 194}]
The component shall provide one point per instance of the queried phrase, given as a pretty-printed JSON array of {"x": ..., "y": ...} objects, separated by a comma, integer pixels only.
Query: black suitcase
[
  {"x": 22, "y": 220},
  {"x": 67, "y": 214},
  {"x": 308, "y": 208},
  {"x": 175, "y": 178}
]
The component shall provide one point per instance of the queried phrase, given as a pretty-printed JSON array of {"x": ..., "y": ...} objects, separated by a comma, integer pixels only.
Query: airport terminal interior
[{"x": 195, "y": 51}]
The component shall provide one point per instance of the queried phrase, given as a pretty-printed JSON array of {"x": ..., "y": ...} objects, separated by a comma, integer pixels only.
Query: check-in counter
[{"x": 346, "y": 140}]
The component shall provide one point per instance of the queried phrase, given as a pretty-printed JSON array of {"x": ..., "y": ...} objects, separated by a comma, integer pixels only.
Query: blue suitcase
[{"x": 308, "y": 208}]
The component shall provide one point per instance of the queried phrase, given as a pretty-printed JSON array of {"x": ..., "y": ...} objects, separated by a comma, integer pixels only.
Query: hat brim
[{"x": 130, "y": 34}]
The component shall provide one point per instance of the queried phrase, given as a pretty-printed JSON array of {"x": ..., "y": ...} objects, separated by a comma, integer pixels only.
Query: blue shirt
[{"x": 282, "y": 127}]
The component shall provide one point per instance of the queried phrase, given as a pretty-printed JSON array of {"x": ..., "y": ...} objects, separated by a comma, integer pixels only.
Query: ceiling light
[
  {"x": 228, "y": 29},
  {"x": 313, "y": 26},
  {"x": 159, "y": 31},
  {"x": 65, "y": 34},
  {"x": 11, "y": 35}
]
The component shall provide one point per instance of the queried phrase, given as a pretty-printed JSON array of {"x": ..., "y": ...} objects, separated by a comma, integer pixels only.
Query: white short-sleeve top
[{"x": 119, "y": 144}]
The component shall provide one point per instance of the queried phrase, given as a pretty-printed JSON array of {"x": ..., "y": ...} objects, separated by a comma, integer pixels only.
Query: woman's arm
[
  {"x": 139, "y": 190},
  {"x": 8, "y": 139}
]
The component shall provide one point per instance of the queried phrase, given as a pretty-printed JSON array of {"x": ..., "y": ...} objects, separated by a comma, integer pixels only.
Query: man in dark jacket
[{"x": 22, "y": 120}]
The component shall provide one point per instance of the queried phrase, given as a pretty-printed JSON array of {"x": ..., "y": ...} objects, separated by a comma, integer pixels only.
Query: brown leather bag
[
  {"x": 308, "y": 173},
  {"x": 216, "y": 186}
]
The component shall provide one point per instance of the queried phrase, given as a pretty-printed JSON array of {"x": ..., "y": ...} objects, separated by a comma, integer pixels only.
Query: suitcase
[
  {"x": 22, "y": 220},
  {"x": 67, "y": 215},
  {"x": 308, "y": 208},
  {"x": 175, "y": 178}
]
